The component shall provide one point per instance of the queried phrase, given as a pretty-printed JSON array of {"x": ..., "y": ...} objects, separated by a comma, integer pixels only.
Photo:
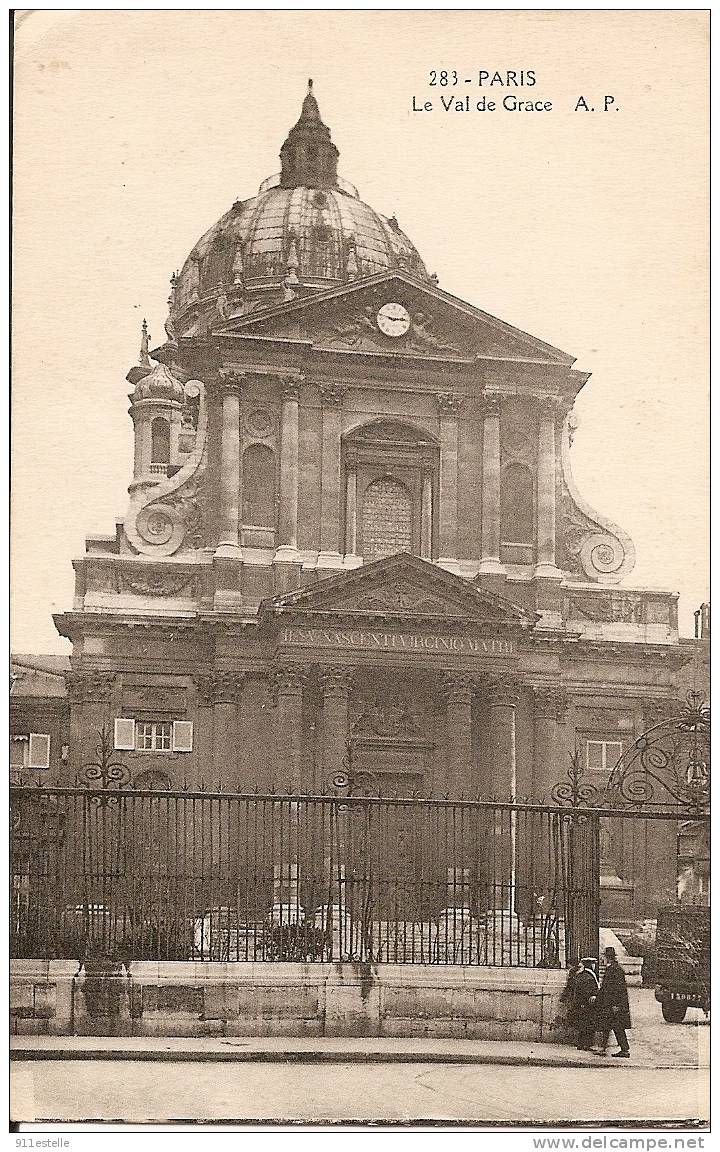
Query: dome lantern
[{"x": 309, "y": 158}]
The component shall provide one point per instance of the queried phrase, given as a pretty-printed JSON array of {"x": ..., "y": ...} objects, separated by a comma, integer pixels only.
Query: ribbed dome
[{"x": 305, "y": 230}]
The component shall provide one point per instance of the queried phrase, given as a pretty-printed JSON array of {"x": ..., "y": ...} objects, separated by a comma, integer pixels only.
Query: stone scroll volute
[{"x": 167, "y": 518}]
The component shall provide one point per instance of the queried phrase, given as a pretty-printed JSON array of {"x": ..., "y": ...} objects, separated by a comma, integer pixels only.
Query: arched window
[
  {"x": 517, "y": 506},
  {"x": 160, "y": 441},
  {"x": 386, "y": 518},
  {"x": 258, "y": 487}
]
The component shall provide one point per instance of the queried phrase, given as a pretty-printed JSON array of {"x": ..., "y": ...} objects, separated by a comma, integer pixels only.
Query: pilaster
[
  {"x": 331, "y": 399},
  {"x": 448, "y": 404},
  {"x": 490, "y": 564},
  {"x": 290, "y": 392},
  {"x": 335, "y": 683},
  {"x": 545, "y": 566},
  {"x": 228, "y": 387}
]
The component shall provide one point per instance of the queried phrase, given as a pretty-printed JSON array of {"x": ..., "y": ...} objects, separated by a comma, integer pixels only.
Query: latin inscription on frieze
[{"x": 390, "y": 641}]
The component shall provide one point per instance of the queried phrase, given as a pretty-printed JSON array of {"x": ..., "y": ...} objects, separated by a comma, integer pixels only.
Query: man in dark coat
[
  {"x": 580, "y": 993},
  {"x": 612, "y": 1008}
]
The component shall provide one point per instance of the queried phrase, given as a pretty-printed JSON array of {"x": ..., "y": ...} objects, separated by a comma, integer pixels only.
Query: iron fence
[{"x": 141, "y": 874}]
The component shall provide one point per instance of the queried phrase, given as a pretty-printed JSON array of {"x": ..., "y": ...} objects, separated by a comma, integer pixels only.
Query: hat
[
  {"x": 611, "y": 953},
  {"x": 588, "y": 959}
]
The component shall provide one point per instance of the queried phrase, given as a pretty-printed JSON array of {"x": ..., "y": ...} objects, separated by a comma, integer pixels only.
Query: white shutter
[
  {"x": 182, "y": 735},
  {"x": 124, "y": 734},
  {"x": 39, "y": 755}
]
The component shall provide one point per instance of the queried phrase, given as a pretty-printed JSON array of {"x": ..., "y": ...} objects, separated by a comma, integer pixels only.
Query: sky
[{"x": 135, "y": 131}]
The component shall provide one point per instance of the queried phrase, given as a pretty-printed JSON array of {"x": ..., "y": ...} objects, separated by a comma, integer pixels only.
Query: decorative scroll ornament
[
  {"x": 670, "y": 763},
  {"x": 353, "y": 781},
  {"x": 575, "y": 791},
  {"x": 666, "y": 769},
  {"x": 167, "y": 517},
  {"x": 594, "y": 547},
  {"x": 105, "y": 771}
]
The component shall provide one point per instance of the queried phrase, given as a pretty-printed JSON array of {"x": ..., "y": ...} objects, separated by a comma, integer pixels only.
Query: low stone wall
[{"x": 149, "y": 998}]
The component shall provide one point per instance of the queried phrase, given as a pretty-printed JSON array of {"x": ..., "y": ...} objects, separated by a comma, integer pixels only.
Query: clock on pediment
[{"x": 393, "y": 319}]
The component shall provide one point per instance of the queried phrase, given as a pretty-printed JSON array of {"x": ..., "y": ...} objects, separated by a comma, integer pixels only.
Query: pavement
[{"x": 654, "y": 1044}]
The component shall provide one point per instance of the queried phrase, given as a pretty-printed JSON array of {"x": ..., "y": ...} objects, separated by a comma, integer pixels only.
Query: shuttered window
[{"x": 153, "y": 735}]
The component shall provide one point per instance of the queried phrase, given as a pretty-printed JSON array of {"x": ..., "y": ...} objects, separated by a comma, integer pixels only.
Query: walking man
[
  {"x": 584, "y": 993},
  {"x": 612, "y": 1008}
]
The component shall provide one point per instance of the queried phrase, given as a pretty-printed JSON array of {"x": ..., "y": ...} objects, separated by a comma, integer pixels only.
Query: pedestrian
[
  {"x": 612, "y": 1008},
  {"x": 579, "y": 994}
]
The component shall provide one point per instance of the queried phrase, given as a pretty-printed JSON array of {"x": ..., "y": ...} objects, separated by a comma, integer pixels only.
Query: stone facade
[{"x": 352, "y": 519}]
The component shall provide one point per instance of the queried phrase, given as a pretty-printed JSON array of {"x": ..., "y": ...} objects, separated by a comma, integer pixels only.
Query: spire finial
[{"x": 144, "y": 346}]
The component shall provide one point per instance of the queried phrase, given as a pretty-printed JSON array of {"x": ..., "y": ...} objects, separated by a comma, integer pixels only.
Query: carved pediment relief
[
  {"x": 425, "y": 322},
  {"x": 400, "y": 586}
]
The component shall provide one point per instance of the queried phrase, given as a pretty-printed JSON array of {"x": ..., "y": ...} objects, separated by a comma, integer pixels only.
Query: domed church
[{"x": 352, "y": 527}]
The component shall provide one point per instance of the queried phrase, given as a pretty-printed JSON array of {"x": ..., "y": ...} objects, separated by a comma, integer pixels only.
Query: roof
[{"x": 40, "y": 675}]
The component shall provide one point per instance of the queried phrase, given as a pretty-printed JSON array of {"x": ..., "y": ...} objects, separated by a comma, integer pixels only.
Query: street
[
  {"x": 135, "y": 1092},
  {"x": 667, "y": 1079}
]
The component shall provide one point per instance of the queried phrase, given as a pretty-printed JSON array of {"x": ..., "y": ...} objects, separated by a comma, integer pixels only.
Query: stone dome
[
  {"x": 306, "y": 229},
  {"x": 158, "y": 384}
]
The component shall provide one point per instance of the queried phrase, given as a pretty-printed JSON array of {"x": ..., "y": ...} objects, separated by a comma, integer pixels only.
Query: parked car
[{"x": 682, "y": 971}]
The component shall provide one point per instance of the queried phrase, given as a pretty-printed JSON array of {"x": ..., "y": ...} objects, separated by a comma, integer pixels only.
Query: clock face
[{"x": 393, "y": 320}]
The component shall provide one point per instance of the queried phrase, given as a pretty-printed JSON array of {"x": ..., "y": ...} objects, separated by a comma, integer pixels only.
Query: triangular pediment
[
  {"x": 438, "y": 325},
  {"x": 399, "y": 587}
]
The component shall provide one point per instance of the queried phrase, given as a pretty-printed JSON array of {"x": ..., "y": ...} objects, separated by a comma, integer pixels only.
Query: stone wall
[{"x": 58, "y": 997}]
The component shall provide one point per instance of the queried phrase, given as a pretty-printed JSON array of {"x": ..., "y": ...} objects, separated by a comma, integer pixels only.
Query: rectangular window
[
  {"x": 153, "y": 736},
  {"x": 602, "y": 755},
  {"x": 31, "y": 751}
]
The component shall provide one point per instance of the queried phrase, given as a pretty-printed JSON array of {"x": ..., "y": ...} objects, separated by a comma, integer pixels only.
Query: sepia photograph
[{"x": 359, "y": 572}]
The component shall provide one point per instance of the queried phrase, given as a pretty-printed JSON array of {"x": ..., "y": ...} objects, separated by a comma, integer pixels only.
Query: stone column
[
  {"x": 459, "y": 691},
  {"x": 287, "y": 846},
  {"x": 229, "y": 387},
  {"x": 331, "y": 397},
  {"x": 448, "y": 404},
  {"x": 289, "y": 679},
  {"x": 490, "y": 563},
  {"x": 289, "y": 468},
  {"x": 503, "y": 700},
  {"x": 548, "y": 758},
  {"x": 426, "y": 524},
  {"x": 226, "y": 688},
  {"x": 335, "y": 683},
  {"x": 546, "y": 469}
]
